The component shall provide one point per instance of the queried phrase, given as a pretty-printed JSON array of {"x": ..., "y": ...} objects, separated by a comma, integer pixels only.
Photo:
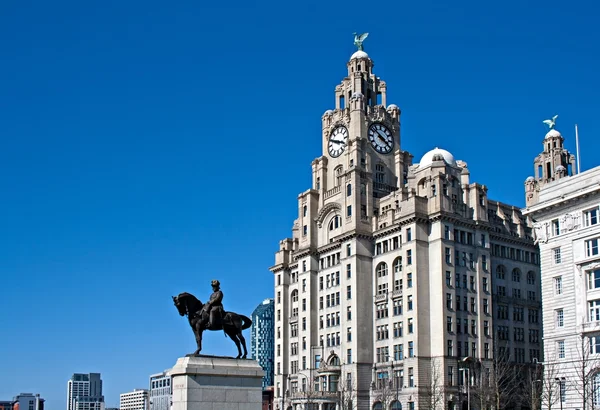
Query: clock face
[
  {"x": 381, "y": 138},
  {"x": 338, "y": 141}
]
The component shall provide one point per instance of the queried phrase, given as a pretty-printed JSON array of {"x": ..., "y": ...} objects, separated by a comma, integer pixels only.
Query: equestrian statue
[{"x": 211, "y": 316}]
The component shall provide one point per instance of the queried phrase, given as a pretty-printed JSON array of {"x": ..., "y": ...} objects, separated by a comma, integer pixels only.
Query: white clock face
[
  {"x": 381, "y": 138},
  {"x": 338, "y": 141}
]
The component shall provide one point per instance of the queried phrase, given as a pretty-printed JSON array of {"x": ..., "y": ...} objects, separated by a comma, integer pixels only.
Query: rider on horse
[{"x": 214, "y": 306}]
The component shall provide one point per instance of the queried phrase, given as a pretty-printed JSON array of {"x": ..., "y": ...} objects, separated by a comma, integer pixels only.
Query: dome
[
  {"x": 359, "y": 54},
  {"x": 529, "y": 179},
  {"x": 328, "y": 112},
  {"x": 553, "y": 134},
  {"x": 560, "y": 168},
  {"x": 437, "y": 154},
  {"x": 392, "y": 107}
]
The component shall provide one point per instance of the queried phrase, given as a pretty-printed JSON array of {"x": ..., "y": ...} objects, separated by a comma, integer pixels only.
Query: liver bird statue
[
  {"x": 551, "y": 123},
  {"x": 358, "y": 40}
]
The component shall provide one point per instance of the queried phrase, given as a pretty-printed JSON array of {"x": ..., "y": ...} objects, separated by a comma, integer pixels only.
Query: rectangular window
[
  {"x": 594, "y": 309},
  {"x": 448, "y": 254},
  {"x": 408, "y": 234},
  {"x": 590, "y": 217},
  {"x": 409, "y": 257},
  {"x": 556, "y": 253},
  {"x": 349, "y": 211},
  {"x": 449, "y": 323},
  {"x": 555, "y": 227},
  {"x": 560, "y": 349},
  {"x": 485, "y": 284},
  {"x": 591, "y": 247},
  {"x": 560, "y": 318},
  {"x": 558, "y": 285},
  {"x": 348, "y": 250},
  {"x": 594, "y": 279}
]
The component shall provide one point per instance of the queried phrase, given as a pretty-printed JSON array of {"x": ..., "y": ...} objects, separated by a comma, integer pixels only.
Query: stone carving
[
  {"x": 540, "y": 232},
  {"x": 210, "y": 316},
  {"x": 570, "y": 221}
]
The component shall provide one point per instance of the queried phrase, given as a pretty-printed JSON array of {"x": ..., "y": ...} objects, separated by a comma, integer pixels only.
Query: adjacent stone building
[
  {"x": 400, "y": 279},
  {"x": 565, "y": 209}
]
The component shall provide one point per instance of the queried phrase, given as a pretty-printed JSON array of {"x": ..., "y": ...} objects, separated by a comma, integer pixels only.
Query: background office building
[
  {"x": 28, "y": 401},
  {"x": 160, "y": 391},
  {"x": 564, "y": 206},
  {"x": 84, "y": 392},
  {"x": 262, "y": 346},
  {"x": 401, "y": 279},
  {"x": 135, "y": 400}
]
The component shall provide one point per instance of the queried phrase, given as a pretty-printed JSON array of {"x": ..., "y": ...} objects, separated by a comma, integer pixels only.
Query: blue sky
[{"x": 147, "y": 148}]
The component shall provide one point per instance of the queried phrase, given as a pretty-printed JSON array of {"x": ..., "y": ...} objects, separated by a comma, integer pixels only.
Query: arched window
[
  {"x": 335, "y": 223},
  {"x": 500, "y": 272},
  {"x": 348, "y": 189},
  {"x": 396, "y": 405},
  {"x": 334, "y": 361},
  {"x": 516, "y": 275},
  {"x": 295, "y": 296},
  {"x": 381, "y": 269},
  {"x": 378, "y": 406},
  {"x": 397, "y": 264},
  {"x": 531, "y": 277}
]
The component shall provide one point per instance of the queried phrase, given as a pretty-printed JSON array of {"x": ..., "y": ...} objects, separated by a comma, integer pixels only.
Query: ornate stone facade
[
  {"x": 391, "y": 268},
  {"x": 566, "y": 216}
]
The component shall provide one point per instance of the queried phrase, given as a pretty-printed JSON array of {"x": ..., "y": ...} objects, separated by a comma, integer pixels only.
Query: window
[
  {"x": 556, "y": 253},
  {"x": 485, "y": 284},
  {"x": 335, "y": 223},
  {"x": 591, "y": 247},
  {"x": 560, "y": 318},
  {"x": 409, "y": 257},
  {"x": 448, "y": 254},
  {"x": 349, "y": 211},
  {"x": 555, "y": 227},
  {"x": 590, "y": 217},
  {"x": 449, "y": 323},
  {"x": 408, "y": 234},
  {"x": 450, "y": 348},
  {"x": 558, "y": 285},
  {"x": 381, "y": 270},
  {"x": 594, "y": 309},
  {"x": 348, "y": 250},
  {"x": 349, "y": 189},
  {"x": 448, "y": 278},
  {"x": 516, "y": 275},
  {"x": 594, "y": 279},
  {"x": 446, "y": 232}
]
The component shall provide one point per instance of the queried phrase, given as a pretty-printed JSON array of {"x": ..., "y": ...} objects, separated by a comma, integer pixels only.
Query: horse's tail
[{"x": 247, "y": 322}]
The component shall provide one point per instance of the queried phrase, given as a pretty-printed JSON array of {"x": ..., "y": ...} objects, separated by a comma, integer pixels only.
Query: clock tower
[{"x": 324, "y": 288}]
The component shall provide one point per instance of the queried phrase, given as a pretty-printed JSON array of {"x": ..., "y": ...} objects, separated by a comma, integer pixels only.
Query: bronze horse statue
[{"x": 231, "y": 323}]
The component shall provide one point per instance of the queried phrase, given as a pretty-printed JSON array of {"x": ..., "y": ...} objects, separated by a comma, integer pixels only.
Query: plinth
[{"x": 216, "y": 383}]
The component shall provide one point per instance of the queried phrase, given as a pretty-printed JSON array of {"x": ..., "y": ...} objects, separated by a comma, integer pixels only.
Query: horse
[{"x": 231, "y": 323}]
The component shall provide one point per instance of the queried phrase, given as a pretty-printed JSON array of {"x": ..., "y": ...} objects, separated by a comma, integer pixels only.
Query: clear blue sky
[{"x": 148, "y": 147}]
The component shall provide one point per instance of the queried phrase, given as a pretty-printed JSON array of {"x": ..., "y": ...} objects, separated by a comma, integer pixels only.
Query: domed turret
[{"x": 437, "y": 154}]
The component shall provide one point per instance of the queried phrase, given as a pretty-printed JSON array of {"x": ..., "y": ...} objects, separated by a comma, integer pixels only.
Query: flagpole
[{"x": 577, "y": 149}]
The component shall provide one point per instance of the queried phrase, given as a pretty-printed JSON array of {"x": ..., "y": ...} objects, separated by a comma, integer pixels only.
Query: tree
[
  {"x": 433, "y": 395},
  {"x": 346, "y": 395},
  {"x": 384, "y": 390},
  {"x": 497, "y": 381},
  {"x": 531, "y": 390},
  {"x": 586, "y": 366},
  {"x": 550, "y": 391}
]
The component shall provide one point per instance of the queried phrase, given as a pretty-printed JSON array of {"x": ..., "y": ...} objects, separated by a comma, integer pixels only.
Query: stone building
[
  {"x": 400, "y": 279},
  {"x": 564, "y": 207}
]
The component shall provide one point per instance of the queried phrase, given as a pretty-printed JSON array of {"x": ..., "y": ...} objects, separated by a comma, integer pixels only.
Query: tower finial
[
  {"x": 551, "y": 123},
  {"x": 358, "y": 40}
]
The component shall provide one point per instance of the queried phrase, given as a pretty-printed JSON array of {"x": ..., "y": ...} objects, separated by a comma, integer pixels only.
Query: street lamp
[
  {"x": 560, "y": 391},
  {"x": 468, "y": 372}
]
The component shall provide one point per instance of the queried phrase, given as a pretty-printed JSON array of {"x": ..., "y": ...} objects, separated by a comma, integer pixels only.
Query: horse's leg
[
  {"x": 198, "y": 333},
  {"x": 231, "y": 332},
  {"x": 243, "y": 340}
]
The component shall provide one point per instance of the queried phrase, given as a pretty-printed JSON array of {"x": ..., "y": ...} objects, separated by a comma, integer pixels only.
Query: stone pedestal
[{"x": 216, "y": 383}]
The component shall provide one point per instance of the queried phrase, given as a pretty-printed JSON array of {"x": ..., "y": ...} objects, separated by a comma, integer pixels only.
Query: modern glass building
[{"x": 263, "y": 343}]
